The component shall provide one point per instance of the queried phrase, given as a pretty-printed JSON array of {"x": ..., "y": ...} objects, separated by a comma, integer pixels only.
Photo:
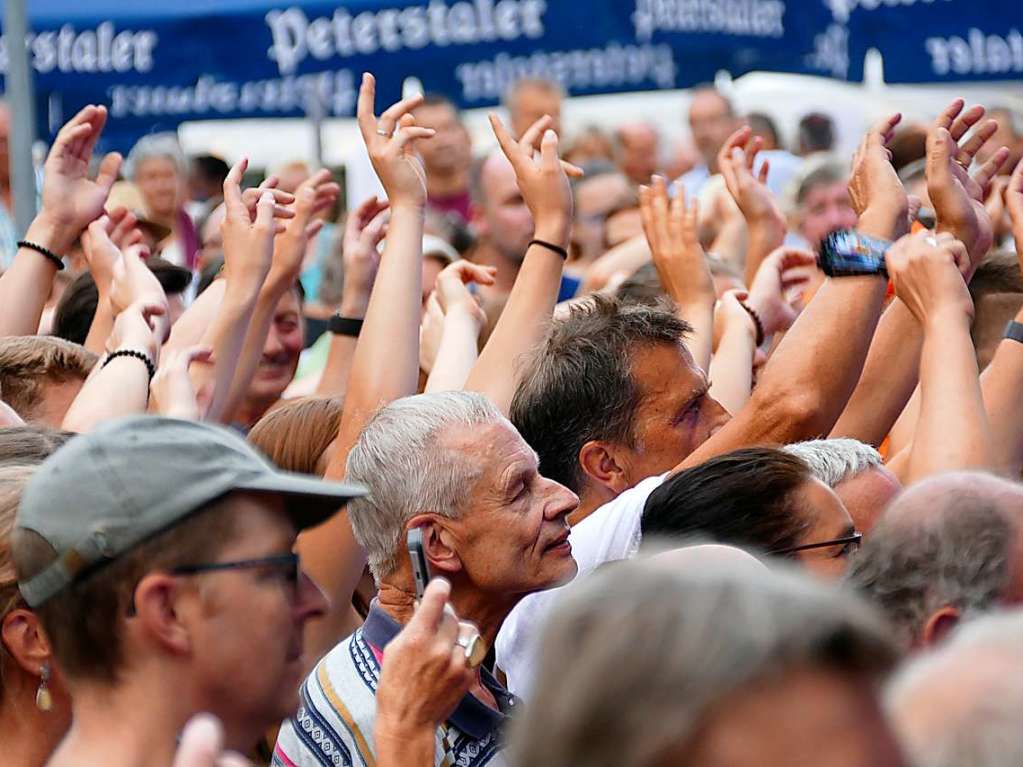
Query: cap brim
[{"x": 310, "y": 501}]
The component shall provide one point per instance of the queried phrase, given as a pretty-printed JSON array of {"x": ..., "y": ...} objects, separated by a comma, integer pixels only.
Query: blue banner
[
  {"x": 205, "y": 59},
  {"x": 936, "y": 41}
]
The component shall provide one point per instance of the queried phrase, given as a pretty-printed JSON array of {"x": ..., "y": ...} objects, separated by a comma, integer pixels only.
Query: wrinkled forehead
[{"x": 491, "y": 447}]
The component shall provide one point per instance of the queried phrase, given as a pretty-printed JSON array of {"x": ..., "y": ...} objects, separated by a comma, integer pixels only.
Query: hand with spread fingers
[
  {"x": 927, "y": 273},
  {"x": 671, "y": 228},
  {"x": 782, "y": 274},
  {"x": 315, "y": 194},
  {"x": 736, "y": 159},
  {"x": 390, "y": 141},
  {"x": 173, "y": 393},
  {"x": 876, "y": 193},
  {"x": 365, "y": 227},
  {"x": 958, "y": 197},
  {"x": 70, "y": 199},
  {"x": 248, "y": 239},
  {"x": 542, "y": 181}
]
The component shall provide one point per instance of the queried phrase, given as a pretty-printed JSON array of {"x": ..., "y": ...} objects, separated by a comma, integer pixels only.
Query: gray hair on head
[
  {"x": 674, "y": 643},
  {"x": 402, "y": 459},
  {"x": 833, "y": 461},
  {"x": 962, "y": 704},
  {"x": 946, "y": 541},
  {"x": 163, "y": 145}
]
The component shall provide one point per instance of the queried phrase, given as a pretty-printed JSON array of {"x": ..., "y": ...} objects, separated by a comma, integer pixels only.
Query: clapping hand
[
  {"x": 316, "y": 193},
  {"x": 927, "y": 273},
  {"x": 136, "y": 328},
  {"x": 735, "y": 160},
  {"x": 365, "y": 228},
  {"x": 958, "y": 197},
  {"x": 543, "y": 182},
  {"x": 776, "y": 290},
  {"x": 102, "y": 243},
  {"x": 248, "y": 239},
  {"x": 172, "y": 390}
]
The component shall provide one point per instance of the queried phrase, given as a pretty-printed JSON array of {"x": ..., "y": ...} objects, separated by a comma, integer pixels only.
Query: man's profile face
[
  {"x": 825, "y": 208},
  {"x": 826, "y": 520},
  {"x": 676, "y": 413},
  {"x": 512, "y": 537},
  {"x": 803, "y": 716},
  {"x": 508, "y": 224},
  {"x": 449, "y": 148},
  {"x": 251, "y": 677},
  {"x": 284, "y": 344},
  {"x": 867, "y": 494},
  {"x": 711, "y": 123}
]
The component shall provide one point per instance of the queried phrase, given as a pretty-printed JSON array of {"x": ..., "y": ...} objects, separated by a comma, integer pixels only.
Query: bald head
[
  {"x": 948, "y": 549},
  {"x": 696, "y": 559},
  {"x": 503, "y": 220}
]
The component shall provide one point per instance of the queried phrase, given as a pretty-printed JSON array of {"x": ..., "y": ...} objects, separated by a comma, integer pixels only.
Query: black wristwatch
[
  {"x": 344, "y": 326},
  {"x": 1014, "y": 331},
  {"x": 847, "y": 253}
]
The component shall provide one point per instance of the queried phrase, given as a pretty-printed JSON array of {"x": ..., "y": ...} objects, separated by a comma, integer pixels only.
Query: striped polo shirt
[{"x": 333, "y": 726}]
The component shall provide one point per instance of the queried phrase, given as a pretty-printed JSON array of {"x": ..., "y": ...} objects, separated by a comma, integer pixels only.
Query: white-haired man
[
  {"x": 855, "y": 471},
  {"x": 452, "y": 466}
]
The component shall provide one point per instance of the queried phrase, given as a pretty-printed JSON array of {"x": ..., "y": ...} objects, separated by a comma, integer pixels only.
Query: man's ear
[
  {"x": 438, "y": 543},
  {"x": 158, "y": 611},
  {"x": 23, "y": 637},
  {"x": 603, "y": 464},
  {"x": 939, "y": 625}
]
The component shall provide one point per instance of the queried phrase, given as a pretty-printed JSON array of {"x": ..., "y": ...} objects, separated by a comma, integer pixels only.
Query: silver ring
[
  {"x": 382, "y": 132},
  {"x": 472, "y": 645}
]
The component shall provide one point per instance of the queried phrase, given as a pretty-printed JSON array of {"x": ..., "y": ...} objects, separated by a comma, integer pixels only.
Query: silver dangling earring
[{"x": 44, "y": 701}]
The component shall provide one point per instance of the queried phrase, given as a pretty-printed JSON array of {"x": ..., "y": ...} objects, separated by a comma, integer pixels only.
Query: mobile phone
[
  {"x": 420, "y": 567},
  {"x": 846, "y": 252}
]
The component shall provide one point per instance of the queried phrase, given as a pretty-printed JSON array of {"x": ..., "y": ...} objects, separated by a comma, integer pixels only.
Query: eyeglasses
[
  {"x": 289, "y": 563},
  {"x": 849, "y": 544}
]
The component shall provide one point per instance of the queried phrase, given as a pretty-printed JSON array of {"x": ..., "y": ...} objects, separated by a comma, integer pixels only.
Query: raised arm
[
  {"x": 101, "y": 253},
  {"x": 70, "y": 202},
  {"x": 386, "y": 362},
  {"x": 364, "y": 229},
  {"x": 526, "y": 316},
  {"x": 731, "y": 368},
  {"x": 764, "y": 220},
  {"x": 462, "y": 320},
  {"x": 891, "y": 371},
  {"x": 671, "y": 229},
  {"x": 806, "y": 383}
]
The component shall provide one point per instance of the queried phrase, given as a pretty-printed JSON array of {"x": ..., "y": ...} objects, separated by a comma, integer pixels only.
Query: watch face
[{"x": 847, "y": 252}]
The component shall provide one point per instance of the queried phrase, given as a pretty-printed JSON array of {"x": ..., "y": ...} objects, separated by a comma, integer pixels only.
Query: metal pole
[
  {"x": 21, "y": 102},
  {"x": 314, "y": 110}
]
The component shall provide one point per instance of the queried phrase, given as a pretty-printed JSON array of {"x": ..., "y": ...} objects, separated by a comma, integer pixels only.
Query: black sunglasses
[
  {"x": 851, "y": 541},
  {"x": 288, "y": 562}
]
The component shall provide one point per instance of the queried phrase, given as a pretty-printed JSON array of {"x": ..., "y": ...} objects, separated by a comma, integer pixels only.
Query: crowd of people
[{"x": 575, "y": 453}]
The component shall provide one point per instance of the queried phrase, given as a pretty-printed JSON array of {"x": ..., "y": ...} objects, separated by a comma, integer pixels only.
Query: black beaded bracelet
[
  {"x": 57, "y": 260},
  {"x": 150, "y": 367},
  {"x": 756, "y": 321},
  {"x": 345, "y": 326},
  {"x": 551, "y": 246}
]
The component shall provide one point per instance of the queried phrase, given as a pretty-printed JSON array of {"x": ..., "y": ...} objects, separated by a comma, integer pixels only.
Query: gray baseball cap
[{"x": 131, "y": 478}]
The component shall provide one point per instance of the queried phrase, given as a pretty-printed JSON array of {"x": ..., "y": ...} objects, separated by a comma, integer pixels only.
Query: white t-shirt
[{"x": 610, "y": 533}]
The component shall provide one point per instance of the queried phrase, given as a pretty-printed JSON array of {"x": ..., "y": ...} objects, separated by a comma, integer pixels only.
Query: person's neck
[
  {"x": 396, "y": 597},
  {"x": 485, "y": 254},
  {"x": 126, "y": 727},
  {"x": 28, "y": 735},
  {"x": 447, "y": 183}
]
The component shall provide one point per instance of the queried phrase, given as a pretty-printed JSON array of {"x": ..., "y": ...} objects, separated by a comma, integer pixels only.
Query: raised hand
[
  {"x": 316, "y": 193},
  {"x": 172, "y": 390},
  {"x": 248, "y": 240},
  {"x": 365, "y": 228},
  {"x": 729, "y": 313},
  {"x": 671, "y": 229},
  {"x": 958, "y": 197},
  {"x": 389, "y": 141},
  {"x": 735, "y": 160},
  {"x": 875, "y": 191},
  {"x": 101, "y": 251},
  {"x": 781, "y": 274},
  {"x": 136, "y": 328},
  {"x": 453, "y": 292},
  {"x": 927, "y": 273},
  {"x": 543, "y": 182},
  {"x": 70, "y": 200}
]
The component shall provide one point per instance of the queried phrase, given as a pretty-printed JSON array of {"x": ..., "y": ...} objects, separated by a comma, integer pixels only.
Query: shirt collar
[{"x": 472, "y": 716}]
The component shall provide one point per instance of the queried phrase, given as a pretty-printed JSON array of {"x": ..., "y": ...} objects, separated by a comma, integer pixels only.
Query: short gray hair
[
  {"x": 946, "y": 541},
  {"x": 163, "y": 145},
  {"x": 403, "y": 461},
  {"x": 833, "y": 461},
  {"x": 971, "y": 691},
  {"x": 705, "y": 632}
]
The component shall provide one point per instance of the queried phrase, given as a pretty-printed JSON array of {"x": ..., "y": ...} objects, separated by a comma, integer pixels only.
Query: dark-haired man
[{"x": 172, "y": 588}]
